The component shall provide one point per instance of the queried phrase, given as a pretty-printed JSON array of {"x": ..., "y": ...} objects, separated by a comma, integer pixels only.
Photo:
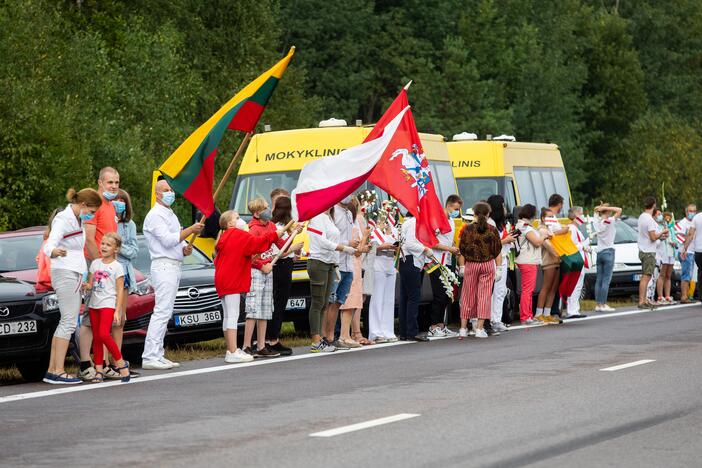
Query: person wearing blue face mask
[
  {"x": 64, "y": 247},
  {"x": 104, "y": 221},
  {"x": 167, "y": 247},
  {"x": 127, "y": 253},
  {"x": 443, "y": 252}
]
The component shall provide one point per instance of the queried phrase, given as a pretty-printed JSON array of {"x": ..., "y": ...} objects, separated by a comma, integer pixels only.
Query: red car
[{"x": 29, "y": 311}]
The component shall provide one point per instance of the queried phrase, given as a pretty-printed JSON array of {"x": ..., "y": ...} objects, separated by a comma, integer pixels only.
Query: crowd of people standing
[{"x": 352, "y": 261}]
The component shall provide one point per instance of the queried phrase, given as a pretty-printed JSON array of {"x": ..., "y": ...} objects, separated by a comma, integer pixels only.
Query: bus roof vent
[
  {"x": 332, "y": 123},
  {"x": 465, "y": 136},
  {"x": 504, "y": 137}
]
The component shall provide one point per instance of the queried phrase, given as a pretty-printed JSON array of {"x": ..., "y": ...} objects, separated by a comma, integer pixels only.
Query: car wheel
[
  {"x": 33, "y": 371},
  {"x": 587, "y": 292}
]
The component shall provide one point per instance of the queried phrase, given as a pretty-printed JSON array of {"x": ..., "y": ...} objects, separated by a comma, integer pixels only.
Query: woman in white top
[
  {"x": 606, "y": 218},
  {"x": 665, "y": 255},
  {"x": 528, "y": 261},
  {"x": 325, "y": 244},
  {"x": 68, "y": 268}
]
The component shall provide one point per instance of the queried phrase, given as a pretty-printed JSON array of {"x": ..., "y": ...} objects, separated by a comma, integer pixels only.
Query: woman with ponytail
[
  {"x": 481, "y": 250},
  {"x": 68, "y": 269}
]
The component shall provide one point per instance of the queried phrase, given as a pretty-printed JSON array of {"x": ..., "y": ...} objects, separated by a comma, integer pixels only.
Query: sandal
[
  {"x": 99, "y": 378},
  {"x": 124, "y": 378}
]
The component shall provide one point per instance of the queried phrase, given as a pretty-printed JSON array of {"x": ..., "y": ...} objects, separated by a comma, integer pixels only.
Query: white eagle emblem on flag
[{"x": 414, "y": 167}]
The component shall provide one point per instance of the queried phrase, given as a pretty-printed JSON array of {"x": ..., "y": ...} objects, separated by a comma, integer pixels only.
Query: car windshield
[
  {"x": 624, "y": 233},
  {"x": 143, "y": 260},
  {"x": 19, "y": 253}
]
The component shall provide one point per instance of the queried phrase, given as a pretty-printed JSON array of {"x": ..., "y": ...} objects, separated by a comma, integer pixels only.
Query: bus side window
[{"x": 510, "y": 197}]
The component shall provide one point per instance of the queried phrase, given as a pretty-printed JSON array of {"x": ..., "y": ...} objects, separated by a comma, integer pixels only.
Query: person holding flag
[
  {"x": 443, "y": 253},
  {"x": 381, "y": 316},
  {"x": 582, "y": 242},
  {"x": 167, "y": 247}
]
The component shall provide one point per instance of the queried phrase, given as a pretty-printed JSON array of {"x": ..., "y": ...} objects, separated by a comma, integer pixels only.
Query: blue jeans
[
  {"x": 341, "y": 288},
  {"x": 605, "y": 266}
]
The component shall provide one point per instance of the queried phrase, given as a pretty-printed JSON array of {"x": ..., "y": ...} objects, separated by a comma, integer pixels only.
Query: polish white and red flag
[
  {"x": 325, "y": 182},
  {"x": 392, "y": 158}
]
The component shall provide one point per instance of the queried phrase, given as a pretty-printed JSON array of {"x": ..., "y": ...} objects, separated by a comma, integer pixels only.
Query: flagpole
[
  {"x": 407, "y": 85},
  {"x": 286, "y": 245},
  {"x": 228, "y": 173}
]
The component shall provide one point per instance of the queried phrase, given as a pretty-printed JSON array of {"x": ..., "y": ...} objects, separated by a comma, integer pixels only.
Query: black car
[{"x": 28, "y": 314}]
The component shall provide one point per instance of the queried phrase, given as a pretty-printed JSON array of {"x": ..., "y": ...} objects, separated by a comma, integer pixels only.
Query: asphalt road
[{"x": 529, "y": 397}]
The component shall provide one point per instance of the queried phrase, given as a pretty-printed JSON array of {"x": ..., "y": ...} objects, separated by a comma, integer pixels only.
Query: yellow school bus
[
  {"x": 521, "y": 172},
  {"x": 275, "y": 159}
]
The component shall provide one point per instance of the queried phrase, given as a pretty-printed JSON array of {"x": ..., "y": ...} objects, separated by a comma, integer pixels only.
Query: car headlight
[
  {"x": 49, "y": 302},
  {"x": 144, "y": 287}
]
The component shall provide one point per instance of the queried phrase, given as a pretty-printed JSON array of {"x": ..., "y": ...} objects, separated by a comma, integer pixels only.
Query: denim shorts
[
  {"x": 341, "y": 288},
  {"x": 688, "y": 266}
]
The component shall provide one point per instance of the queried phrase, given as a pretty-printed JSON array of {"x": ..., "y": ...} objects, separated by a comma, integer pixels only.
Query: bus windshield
[{"x": 474, "y": 189}]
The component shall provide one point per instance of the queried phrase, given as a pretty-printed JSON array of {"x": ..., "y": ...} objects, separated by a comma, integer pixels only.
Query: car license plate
[
  {"x": 191, "y": 320},
  {"x": 18, "y": 328},
  {"x": 636, "y": 278},
  {"x": 296, "y": 303}
]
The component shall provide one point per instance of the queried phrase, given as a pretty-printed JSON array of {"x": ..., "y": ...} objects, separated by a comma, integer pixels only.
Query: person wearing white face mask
[
  {"x": 104, "y": 221},
  {"x": 167, "y": 247},
  {"x": 64, "y": 247}
]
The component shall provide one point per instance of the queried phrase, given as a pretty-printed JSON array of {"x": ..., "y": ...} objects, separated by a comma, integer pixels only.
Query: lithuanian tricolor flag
[
  {"x": 190, "y": 169},
  {"x": 571, "y": 263}
]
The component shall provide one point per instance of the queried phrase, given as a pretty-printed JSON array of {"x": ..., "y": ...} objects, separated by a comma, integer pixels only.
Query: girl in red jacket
[{"x": 234, "y": 253}]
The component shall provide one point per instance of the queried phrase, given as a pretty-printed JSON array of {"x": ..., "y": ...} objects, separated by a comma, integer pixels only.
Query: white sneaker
[
  {"x": 155, "y": 365},
  {"x": 436, "y": 333},
  {"x": 606, "y": 308},
  {"x": 237, "y": 357},
  {"x": 481, "y": 333},
  {"x": 462, "y": 332},
  {"x": 499, "y": 326},
  {"x": 449, "y": 333},
  {"x": 168, "y": 361}
]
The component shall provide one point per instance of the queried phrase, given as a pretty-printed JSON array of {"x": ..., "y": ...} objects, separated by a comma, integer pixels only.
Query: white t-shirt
[
  {"x": 697, "y": 224},
  {"x": 647, "y": 224},
  {"x": 528, "y": 253},
  {"x": 445, "y": 239},
  {"x": 681, "y": 229},
  {"x": 104, "y": 293},
  {"x": 606, "y": 230},
  {"x": 384, "y": 261}
]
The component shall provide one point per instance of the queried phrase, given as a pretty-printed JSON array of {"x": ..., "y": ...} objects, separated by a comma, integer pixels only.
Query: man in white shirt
[
  {"x": 167, "y": 247},
  {"x": 693, "y": 243},
  {"x": 648, "y": 235},
  {"x": 443, "y": 253},
  {"x": 606, "y": 218}
]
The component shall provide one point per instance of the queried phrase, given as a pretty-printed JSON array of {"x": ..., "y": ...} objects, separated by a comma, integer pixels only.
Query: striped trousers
[{"x": 476, "y": 294}]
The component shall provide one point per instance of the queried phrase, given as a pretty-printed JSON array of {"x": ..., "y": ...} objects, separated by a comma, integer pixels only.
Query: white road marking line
[
  {"x": 364, "y": 425},
  {"x": 172, "y": 375},
  {"x": 627, "y": 365},
  {"x": 207, "y": 370}
]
